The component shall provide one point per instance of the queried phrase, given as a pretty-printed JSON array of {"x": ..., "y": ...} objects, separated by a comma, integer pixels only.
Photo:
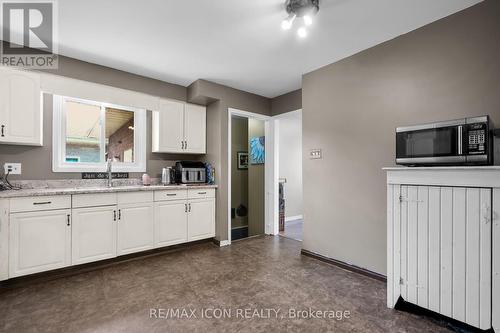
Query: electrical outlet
[
  {"x": 315, "y": 154},
  {"x": 12, "y": 168}
]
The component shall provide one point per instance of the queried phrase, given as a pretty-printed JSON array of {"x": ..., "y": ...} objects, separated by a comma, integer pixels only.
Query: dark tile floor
[
  {"x": 293, "y": 229},
  {"x": 258, "y": 273}
]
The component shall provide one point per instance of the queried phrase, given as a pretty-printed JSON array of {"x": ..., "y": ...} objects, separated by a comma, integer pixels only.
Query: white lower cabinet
[
  {"x": 39, "y": 241},
  {"x": 171, "y": 223},
  {"x": 201, "y": 219},
  {"x": 135, "y": 228},
  {"x": 94, "y": 234},
  {"x": 440, "y": 250}
]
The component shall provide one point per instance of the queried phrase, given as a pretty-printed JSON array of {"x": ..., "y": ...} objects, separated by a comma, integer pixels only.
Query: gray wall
[
  {"x": 448, "y": 69},
  {"x": 287, "y": 102}
]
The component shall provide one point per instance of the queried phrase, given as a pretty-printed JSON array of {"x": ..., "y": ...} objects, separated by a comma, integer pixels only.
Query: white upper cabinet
[
  {"x": 179, "y": 128},
  {"x": 20, "y": 108},
  {"x": 195, "y": 129}
]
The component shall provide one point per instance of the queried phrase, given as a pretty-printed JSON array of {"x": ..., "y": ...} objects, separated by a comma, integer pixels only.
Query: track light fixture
[{"x": 300, "y": 10}]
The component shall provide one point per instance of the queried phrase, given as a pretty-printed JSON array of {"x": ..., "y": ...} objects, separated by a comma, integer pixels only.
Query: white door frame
[{"x": 271, "y": 178}]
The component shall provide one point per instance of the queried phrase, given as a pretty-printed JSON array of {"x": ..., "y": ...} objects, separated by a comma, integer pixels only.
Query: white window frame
[{"x": 59, "y": 163}]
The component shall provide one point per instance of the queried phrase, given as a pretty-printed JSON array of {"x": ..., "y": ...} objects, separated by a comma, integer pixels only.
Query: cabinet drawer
[
  {"x": 32, "y": 204},
  {"x": 93, "y": 200},
  {"x": 134, "y": 197},
  {"x": 170, "y": 195},
  {"x": 201, "y": 193}
]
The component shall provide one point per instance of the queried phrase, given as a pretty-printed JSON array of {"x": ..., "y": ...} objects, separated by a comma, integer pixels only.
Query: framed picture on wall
[{"x": 242, "y": 157}]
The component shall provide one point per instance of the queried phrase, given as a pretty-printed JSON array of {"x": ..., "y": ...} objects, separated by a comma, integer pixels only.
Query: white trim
[
  {"x": 224, "y": 243},
  {"x": 293, "y": 218},
  {"x": 58, "y": 136}
]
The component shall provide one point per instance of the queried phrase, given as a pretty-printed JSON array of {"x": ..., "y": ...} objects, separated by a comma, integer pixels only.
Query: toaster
[{"x": 187, "y": 172}]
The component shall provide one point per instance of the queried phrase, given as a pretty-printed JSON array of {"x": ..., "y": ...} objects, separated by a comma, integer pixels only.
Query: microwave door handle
[{"x": 460, "y": 140}]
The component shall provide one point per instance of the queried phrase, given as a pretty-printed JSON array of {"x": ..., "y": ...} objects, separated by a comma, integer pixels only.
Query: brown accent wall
[
  {"x": 288, "y": 102},
  {"x": 448, "y": 69}
]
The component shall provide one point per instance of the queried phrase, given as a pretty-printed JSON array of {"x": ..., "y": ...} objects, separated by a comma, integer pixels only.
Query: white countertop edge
[{"x": 35, "y": 192}]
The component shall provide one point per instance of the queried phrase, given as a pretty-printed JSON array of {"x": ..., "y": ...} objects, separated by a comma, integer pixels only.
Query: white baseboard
[
  {"x": 293, "y": 218},
  {"x": 224, "y": 243}
]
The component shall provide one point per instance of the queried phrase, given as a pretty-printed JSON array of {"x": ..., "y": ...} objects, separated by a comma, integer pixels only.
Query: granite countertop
[
  {"x": 34, "y": 192},
  {"x": 465, "y": 167}
]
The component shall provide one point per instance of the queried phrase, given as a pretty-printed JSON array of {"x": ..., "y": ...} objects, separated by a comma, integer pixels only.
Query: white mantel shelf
[{"x": 465, "y": 176}]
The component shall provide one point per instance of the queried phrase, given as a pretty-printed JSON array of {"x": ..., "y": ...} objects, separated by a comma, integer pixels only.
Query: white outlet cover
[
  {"x": 315, "y": 154},
  {"x": 12, "y": 168}
]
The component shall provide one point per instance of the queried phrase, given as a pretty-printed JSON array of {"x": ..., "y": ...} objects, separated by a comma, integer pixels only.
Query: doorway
[
  {"x": 247, "y": 157},
  {"x": 289, "y": 156}
]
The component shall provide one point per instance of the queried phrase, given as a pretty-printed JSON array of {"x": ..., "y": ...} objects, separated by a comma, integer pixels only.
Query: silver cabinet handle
[
  {"x": 185, "y": 208},
  {"x": 171, "y": 194},
  {"x": 119, "y": 214},
  {"x": 189, "y": 207},
  {"x": 68, "y": 220},
  {"x": 460, "y": 140},
  {"x": 42, "y": 203},
  {"x": 202, "y": 192},
  {"x": 186, "y": 145},
  {"x": 114, "y": 215},
  {"x": 3, "y": 130}
]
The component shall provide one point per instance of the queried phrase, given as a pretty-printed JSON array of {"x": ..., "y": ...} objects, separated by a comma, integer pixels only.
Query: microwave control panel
[{"x": 476, "y": 138}]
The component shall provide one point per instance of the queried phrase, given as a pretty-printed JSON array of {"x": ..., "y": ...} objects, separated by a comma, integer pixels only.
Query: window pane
[
  {"x": 83, "y": 132},
  {"x": 120, "y": 135}
]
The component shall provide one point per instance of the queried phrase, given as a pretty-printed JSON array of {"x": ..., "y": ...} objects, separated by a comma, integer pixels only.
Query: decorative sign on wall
[
  {"x": 104, "y": 175},
  {"x": 257, "y": 150},
  {"x": 242, "y": 158}
]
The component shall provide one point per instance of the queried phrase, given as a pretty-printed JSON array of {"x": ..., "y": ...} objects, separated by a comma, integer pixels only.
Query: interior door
[
  {"x": 39, "y": 241},
  {"x": 201, "y": 223},
  {"x": 21, "y": 119},
  {"x": 93, "y": 234},
  {"x": 170, "y": 127},
  {"x": 135, "y": 228},
  {"x": 170, "y": 223},
  {"x": 195, "y": 128}
]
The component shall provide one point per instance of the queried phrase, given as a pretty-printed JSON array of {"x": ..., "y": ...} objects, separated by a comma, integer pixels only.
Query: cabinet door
[
  {"x": 170, "y": 223},
  {"x": 135, "y": 228},
  {"x": 201, "y": 219},
  {"x": 168, "y": 131},
  {"x": 21, "y": 118},
  {"x": 39, "y": 241},
  {"x": 195, "y": 127},
  {"x": 93, "y": 234},
  {"x": 445, "y": 261}
]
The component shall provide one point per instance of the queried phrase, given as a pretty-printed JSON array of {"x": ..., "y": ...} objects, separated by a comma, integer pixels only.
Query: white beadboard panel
[
  {"x": 423, "y": 247},
  {"x": 404, "y": 242},
  {"x": 485, "y": 253},
  {"x": 434, "y": 248},
  {"x": 412, "y": 243},
  {"x": 472, "y": 257},
  {"x": 459, "y": 250},
  {"x": 446, "y": 251},
  {"x": 397, "y": 244},
  {"x": 495, "y": 316},
  {"x": 390, "y": 245}
]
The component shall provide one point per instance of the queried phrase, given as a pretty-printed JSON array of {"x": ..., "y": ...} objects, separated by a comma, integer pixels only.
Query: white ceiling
[{"x": 238, "y": 43}]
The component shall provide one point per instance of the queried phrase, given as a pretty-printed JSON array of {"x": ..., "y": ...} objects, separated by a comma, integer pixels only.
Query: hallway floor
[
  {"x": 293, "y": 229},
  {"x": 256, "y": 274}
]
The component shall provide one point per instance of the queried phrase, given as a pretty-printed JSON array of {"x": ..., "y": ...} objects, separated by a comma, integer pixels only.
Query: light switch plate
[
  {"x": 315, "y": 154},
  {"x": 12, "y": 168}
]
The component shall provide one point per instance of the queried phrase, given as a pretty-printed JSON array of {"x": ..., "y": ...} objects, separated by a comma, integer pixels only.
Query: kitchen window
[{"x": 88, "y": 133}]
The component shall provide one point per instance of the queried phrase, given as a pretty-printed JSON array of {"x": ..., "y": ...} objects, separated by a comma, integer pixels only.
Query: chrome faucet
[{"x": 109, "y": 164}]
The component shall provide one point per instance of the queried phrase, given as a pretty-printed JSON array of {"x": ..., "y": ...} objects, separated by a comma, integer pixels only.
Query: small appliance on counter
[
  {"x": 187, "y": 172},
  {"x": 167, "y": 176},
  {"x": 467, "y": 141}
]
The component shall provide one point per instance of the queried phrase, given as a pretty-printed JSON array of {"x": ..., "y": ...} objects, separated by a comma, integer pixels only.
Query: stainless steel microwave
[{"x": 465, "y": 141}]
